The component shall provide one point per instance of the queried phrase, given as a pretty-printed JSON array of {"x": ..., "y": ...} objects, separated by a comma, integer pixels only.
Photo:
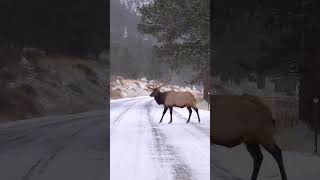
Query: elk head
[{"x": 155, "y": 88}]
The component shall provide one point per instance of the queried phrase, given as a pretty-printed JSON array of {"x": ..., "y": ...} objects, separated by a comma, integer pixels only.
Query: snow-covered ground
[
  {"x": 297, "y": 145},
  {"x": 143, "y": 149},
  {"x": 298, "y": 138},
  {"x": 236, "y": 163}
]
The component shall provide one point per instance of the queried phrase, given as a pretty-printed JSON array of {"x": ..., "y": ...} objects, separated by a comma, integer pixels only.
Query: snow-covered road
[
  {"x": 143, "y": 149},
  {"x": 76, "y": 147}
]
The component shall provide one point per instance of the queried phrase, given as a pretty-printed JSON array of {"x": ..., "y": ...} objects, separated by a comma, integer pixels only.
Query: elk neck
[{"x": 160, "y": 98}]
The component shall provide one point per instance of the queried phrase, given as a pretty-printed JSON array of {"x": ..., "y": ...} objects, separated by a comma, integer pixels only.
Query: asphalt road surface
[{"x": 72, "y": 147}]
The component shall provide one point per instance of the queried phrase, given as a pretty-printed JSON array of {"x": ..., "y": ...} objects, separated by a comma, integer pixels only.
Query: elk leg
[
  {"x": 170, "y": 115},
  {"x": 276, "y": 153},
  {"x": 164, "y": 112},
  {"x": 196, "y": 109},
  {"x": 190, "y": 112},
  {"x": 256, "y": 154}
]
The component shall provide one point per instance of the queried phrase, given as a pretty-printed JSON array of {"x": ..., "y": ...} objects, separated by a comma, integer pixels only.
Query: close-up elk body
[
  {"x": 170, "y": 99},
  {"x": 237, "y": 119}
]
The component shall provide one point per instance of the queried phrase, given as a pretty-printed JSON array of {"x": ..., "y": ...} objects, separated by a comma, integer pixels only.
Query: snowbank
[{"x": 126, "y": 88}]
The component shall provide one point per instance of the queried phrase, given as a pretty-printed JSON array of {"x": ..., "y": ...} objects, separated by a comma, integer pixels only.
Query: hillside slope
[{"x": 50, "y": 85}]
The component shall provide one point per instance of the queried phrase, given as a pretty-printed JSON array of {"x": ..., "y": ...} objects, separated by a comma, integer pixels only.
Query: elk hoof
[
  {"x": 169, "y": 122},
  {"x": 187, "y": 122},
  {"x": 160, "y": 122}
]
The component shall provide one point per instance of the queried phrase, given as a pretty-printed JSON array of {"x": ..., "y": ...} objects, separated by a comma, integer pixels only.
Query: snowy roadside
[
  {"x": 297, "y": 145},
  {"x": 298, "y": 139},
  {"x": 127, "y": 88},
  {"x": 236, "y": 163}
]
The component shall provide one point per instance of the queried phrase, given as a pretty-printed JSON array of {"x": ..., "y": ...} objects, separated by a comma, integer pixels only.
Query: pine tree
[{"x": 181, "y": 28}]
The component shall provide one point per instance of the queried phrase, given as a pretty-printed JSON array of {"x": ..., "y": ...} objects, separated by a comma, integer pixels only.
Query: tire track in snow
[
  {"x": 166, "y": 153},
  {"x": 115, "y": 105},
  {"x": 201, "y": 129},
  {"x": 224, "y": 172},
  {"x": 119, "y": 102},
  {"x": 122, "y": 113},
  {"x": 27, "y": 135},
  {"x": 42, "y": 163},
  {"x": 194, "y": 131}
]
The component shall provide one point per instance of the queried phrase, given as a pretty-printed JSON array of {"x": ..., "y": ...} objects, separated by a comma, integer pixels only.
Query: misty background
[{"x": 131, "y": 52}]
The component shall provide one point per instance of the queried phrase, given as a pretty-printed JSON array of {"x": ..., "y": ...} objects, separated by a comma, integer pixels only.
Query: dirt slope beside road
[{"x": 50, "y": 85}]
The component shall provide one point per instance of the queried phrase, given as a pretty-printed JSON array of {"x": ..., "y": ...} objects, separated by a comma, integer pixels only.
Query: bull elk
[
  {"x": 237, "y": 119},
  {"x": 170, "y": 99}
]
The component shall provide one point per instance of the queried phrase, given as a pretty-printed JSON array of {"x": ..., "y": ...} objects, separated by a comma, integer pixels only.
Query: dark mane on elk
[{"x": 170, "y": 99}]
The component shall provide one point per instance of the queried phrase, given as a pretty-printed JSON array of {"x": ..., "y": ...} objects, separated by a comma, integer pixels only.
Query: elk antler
[
  {"x": 164, "y": 83},
  {"x": 151, "y": 86},
  {"x": 156, "y": 84}
]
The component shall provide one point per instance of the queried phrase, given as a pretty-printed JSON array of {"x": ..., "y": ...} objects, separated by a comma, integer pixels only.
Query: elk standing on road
[
  {"x": 237, "y": 119},
  {"x": 170, "y": 99}
]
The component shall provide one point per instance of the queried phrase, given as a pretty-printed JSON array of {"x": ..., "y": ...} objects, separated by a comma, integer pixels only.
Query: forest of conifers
[{"x": 69, "y": 27}]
